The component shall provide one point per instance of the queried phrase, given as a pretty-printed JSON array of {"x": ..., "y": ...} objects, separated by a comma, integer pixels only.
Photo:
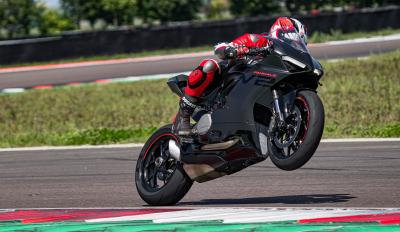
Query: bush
[
  {"x": 168, "y": 10},
  {"x": 254, "y": 7}
]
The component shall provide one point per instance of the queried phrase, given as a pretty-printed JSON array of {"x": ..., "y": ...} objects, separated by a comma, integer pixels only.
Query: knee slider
[{"x": 210, "y": 66}]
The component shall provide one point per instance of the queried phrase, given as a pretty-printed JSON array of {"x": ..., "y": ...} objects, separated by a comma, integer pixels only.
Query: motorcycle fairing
[{"x": 244, "y": 110}]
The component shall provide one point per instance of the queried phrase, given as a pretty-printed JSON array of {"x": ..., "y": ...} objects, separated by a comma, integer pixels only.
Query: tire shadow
[{"x": 290, "y": 199}]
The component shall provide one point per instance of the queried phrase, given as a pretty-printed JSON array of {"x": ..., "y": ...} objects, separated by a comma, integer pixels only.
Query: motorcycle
[{"x": 265, "y": 106}]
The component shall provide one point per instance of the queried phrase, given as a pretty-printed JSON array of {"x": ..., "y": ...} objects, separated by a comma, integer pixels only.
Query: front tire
[
  {"x": 160, "y": 179},
  {"x": 307, "y": 139}
]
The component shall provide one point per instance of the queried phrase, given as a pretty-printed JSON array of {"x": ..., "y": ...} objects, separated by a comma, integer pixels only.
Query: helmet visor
[{"x": 291, "y": 37}]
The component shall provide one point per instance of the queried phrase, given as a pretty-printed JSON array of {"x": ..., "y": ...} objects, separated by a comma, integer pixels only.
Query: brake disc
[{"x": 286, "y": 136}]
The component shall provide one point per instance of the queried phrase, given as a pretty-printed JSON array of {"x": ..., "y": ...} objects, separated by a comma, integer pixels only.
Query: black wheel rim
[
  {"x": 157, "y": 166},
  {"x": 295, "y": 140}
]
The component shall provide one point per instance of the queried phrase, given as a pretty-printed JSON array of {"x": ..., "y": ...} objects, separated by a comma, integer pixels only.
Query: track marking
[
  {"x": 246, "y": 215},
  {"x": 358, "y": 140},
  {"x": 139, "y": 145}
]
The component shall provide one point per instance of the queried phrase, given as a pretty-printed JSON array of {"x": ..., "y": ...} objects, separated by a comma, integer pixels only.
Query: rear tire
[
  {"x": 308, "y": 139},
  {"x": 175, "y": 186}
]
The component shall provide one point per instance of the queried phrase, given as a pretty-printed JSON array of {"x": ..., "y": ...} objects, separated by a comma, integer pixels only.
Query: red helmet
[{"x": 285, "y": 24}]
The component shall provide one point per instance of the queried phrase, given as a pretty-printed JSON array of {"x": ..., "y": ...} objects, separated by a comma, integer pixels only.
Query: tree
[
  {"x": 168, "y": 10},
  {"x": 254, "y": 7},
  {"x": 119, "y": 12},
  {"x": 217, "y": 8},
  {"x": 53, "y": 22},
  {"x": 18, "y": 17},
  {"x": 78, "y": 10},
  {"x": 116, "y": 12}
]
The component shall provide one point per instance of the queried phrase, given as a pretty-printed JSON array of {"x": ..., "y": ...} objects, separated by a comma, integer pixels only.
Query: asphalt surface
[
  {"x": 357, "y": 174},
  {"x": 91, "y": 73}
]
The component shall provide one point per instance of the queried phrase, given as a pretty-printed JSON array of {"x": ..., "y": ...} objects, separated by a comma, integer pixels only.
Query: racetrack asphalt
[
  {"x": 341, "y": 174},
  {"x": 81, "y": 74}
]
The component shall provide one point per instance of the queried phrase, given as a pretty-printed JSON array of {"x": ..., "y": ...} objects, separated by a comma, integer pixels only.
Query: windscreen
[{"x": 291, "y": 37}]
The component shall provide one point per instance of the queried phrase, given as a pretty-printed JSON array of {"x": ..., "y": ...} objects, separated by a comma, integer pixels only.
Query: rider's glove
[{"x": 234, "y": 52}]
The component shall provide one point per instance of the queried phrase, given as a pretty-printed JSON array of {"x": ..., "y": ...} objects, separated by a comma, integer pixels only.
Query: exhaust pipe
[{"x": 174, "y": 150}]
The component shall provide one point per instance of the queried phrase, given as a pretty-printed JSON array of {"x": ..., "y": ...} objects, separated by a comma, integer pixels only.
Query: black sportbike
[{"x": 264, "y": 107}]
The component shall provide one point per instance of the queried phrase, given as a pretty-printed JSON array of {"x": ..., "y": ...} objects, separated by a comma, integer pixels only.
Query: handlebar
[{"x": 259, "y": 51}]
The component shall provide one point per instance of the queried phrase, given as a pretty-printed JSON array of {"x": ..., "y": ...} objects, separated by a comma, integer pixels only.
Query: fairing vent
[
  {"x": 291, "y": 67},
  {"x": 262, "y": 114}
]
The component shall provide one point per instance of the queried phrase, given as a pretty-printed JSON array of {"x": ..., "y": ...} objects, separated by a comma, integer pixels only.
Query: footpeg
[{"x": 186, "y": 140}]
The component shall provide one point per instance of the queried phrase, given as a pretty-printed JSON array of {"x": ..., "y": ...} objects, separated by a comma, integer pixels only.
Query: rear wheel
[
  {"x": 160, "y": 179},
  {"x": 291, "y": 147}
]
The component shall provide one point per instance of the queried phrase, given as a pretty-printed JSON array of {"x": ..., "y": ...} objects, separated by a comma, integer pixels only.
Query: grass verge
[
  {"x": 361, "y": 99},
  {"x": 315, "y": 38}
]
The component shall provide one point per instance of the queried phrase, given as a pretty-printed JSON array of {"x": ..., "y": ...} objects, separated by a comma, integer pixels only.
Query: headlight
[{"x": 317, "y": 72}]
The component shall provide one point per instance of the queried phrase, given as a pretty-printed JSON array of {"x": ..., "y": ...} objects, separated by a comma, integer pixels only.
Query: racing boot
[{"x": 182, "y": 121}]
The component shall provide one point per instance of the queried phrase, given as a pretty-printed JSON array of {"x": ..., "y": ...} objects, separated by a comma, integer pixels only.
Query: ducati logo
[{"x": 265, "y": 74}]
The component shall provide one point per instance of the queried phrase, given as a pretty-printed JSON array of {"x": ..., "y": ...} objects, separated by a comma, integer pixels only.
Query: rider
[{"x": 208, "y": 70}]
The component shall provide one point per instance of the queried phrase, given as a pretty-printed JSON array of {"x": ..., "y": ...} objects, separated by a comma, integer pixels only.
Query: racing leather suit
[{"x": 203, "y": 76}]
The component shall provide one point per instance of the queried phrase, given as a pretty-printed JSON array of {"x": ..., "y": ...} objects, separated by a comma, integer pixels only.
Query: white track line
[
  {"x": 83, "y": 147},
  {"x": 139, "y": 145},
  {"x": 294, "y": 215},
  {"x": 146, "y": 77},
  {"x": 244, "y": 215},
  {"x": 358, "y": 140},
  {"x": 163, "y": 215}
]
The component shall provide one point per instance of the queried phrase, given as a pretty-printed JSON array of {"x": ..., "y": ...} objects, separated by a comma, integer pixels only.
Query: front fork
[
  {"x": 283, "y": 106},
  {"x": 277, "y": 107}
]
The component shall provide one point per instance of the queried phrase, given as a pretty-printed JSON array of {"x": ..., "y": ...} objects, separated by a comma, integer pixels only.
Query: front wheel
[
  {"x": 291, "y": 148},
  {"x": 160, "y": 179}
]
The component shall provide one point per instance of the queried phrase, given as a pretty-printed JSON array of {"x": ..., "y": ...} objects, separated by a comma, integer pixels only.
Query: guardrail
[{"x": 188, "y": 34}]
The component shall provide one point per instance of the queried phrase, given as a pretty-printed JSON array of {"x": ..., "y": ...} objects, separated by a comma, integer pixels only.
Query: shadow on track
[{"x": 292, "y": 199}]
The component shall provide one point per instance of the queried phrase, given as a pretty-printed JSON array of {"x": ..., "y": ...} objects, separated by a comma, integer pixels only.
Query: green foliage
[
  {"x": 307, "y": 5},
  {"x": 361, "y": 99},
  {"x": 217, "y": 9},
  {"x": 115, "y": 12},
  {"x": 53, "y": 22},
  {"x": 78, "y": 10},
  {"x": 119, "y": 12},
  {"x": 168, "y": 10},
  {"x": 254, "y": 7},
  {"x": 18, "y": 17}
]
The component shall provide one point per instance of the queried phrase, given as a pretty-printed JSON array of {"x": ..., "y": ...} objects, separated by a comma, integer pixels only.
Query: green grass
[
  {"x": 315, "y": 38},
  {"x": 361, "y": 99}
]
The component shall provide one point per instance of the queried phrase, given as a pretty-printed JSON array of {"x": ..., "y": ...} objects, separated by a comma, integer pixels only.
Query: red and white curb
[
  {"x": 256, "y": 215},
  {"x": 224, "y": 215}
]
